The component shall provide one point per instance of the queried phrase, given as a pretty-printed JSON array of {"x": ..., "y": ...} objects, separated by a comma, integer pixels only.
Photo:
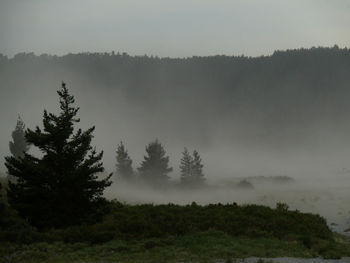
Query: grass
[
  {"x": 199, "y": 247},
  {"x": 173, "y": 233}
]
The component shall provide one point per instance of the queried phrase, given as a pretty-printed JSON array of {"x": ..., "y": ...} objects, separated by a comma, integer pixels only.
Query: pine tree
[
  {"x": 60, "y": 188},
  {"x": 155, "y": 167},
  {"x": 197, "y": 168},
  {"x": 19, "y": 146},
  {"x": 2, "y": 207},
  {"x": 124, "y": 164},
  {"x": 186, "y": 167}
]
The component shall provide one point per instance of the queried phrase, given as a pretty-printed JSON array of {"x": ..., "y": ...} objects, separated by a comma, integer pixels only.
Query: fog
[
  {"x": 117, "y": 120},
  {"x": 244, "y": 122},
  {"x": 294, "y": 127},
  {"x": 328, "y": 198}
]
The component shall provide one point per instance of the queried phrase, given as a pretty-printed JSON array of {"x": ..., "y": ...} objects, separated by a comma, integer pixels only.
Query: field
[
  {"x": 182, "y": 232},
  {"x": 199, "y": 247}
]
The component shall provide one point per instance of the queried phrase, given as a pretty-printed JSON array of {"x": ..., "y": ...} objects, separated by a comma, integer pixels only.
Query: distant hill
[{"x": 289, "y": 96}]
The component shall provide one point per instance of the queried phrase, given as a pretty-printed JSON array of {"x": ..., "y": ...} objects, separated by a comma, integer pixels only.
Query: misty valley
[{"x": 116, "y": 158}]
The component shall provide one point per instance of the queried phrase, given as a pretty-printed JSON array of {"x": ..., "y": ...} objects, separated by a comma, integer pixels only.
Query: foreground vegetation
[
  {"x": 173, "y": 233},
  {"x": 128, "y": 222},
  {"x": 198, "y": 247}
]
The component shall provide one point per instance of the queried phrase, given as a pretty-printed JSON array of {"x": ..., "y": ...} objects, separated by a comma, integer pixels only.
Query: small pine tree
[
  {"x": 124, "y": 164},
  {"x": 155, "y": 166},
  {"x": 186, "y": 167},
  {"x": 197, "y": 168},
  {"x": 19, "y": 146},
  {"x": 61, "y": 188}
]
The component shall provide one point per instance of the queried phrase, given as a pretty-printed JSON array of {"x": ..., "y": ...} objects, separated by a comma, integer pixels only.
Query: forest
[{"x": 286, "y": 99}]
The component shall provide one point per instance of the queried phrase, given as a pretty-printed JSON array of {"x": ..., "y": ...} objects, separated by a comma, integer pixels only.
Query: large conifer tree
[
  {"x": 155, "y": 166},
  {"x": 124, "y": 164},
  {"x": 61, "y": 187}
]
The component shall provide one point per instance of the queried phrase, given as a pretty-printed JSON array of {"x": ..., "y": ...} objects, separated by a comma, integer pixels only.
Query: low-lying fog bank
[{"x": 329, "y": 199}]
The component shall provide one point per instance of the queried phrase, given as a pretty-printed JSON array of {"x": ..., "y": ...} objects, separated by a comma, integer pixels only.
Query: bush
[{"x": 150, "y": 221}]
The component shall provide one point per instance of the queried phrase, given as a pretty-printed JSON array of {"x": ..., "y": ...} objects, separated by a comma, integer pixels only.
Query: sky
[{"x": 180, "y": 28}]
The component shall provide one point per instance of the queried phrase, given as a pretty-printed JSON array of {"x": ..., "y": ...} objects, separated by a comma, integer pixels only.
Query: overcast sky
[{"x": 176, "y": 28}]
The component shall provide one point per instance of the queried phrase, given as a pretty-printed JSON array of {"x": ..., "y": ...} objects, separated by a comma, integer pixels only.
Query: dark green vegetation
[
  {"x": 199, "y": 247},
  {"x": 172, "y": 233},
  {"x": 63, "y": 181}
]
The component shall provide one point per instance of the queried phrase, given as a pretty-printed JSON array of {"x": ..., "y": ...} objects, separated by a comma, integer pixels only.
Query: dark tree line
[{"x": 276, "y": 96}]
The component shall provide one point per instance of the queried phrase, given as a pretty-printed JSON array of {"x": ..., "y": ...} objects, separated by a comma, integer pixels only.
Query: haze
[
  {"x": 174, "y": 70},
  {"x": 243, "y": 115}
]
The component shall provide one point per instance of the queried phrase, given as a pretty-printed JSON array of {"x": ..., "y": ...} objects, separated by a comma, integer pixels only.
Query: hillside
[
  {"x": 286, "y": 94},
  {"x": 294, "y": 100}
]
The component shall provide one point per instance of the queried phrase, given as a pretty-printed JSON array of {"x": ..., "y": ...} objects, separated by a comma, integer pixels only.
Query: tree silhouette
[
  {"x": 197, "y": 168},
  {"x": 0, "y": 196},
  {"x": 186, "y": 167},
  {"x": 155, "y": 166},
  {"x": 124, "y": 164},
  {"x": 61, "y": 188},
  {"x": 19, "y": 146},
  {"x": 191, "y": 168},
  {"x": 2, "y": 208}
]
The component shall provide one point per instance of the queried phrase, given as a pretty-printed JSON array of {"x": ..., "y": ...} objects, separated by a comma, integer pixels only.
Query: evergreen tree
[
  {"x": 19, "y": 146},
  {"x": 2, "y": 207},
  {"x": 60, "y": 188},
  {"x": 197, "y": 168},
  {"x": 191, "y": 168},
  {"x": 3, "y": 217},
  {"x": 124, "y": 164},
  {"x": 186, "y": 167},
  {"x": 155, "y": 166}
]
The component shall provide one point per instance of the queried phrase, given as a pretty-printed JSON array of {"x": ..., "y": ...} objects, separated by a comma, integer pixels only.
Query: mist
[
  {"x": 249, "y": 118},
  {"x": 243, "y": 121}
]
